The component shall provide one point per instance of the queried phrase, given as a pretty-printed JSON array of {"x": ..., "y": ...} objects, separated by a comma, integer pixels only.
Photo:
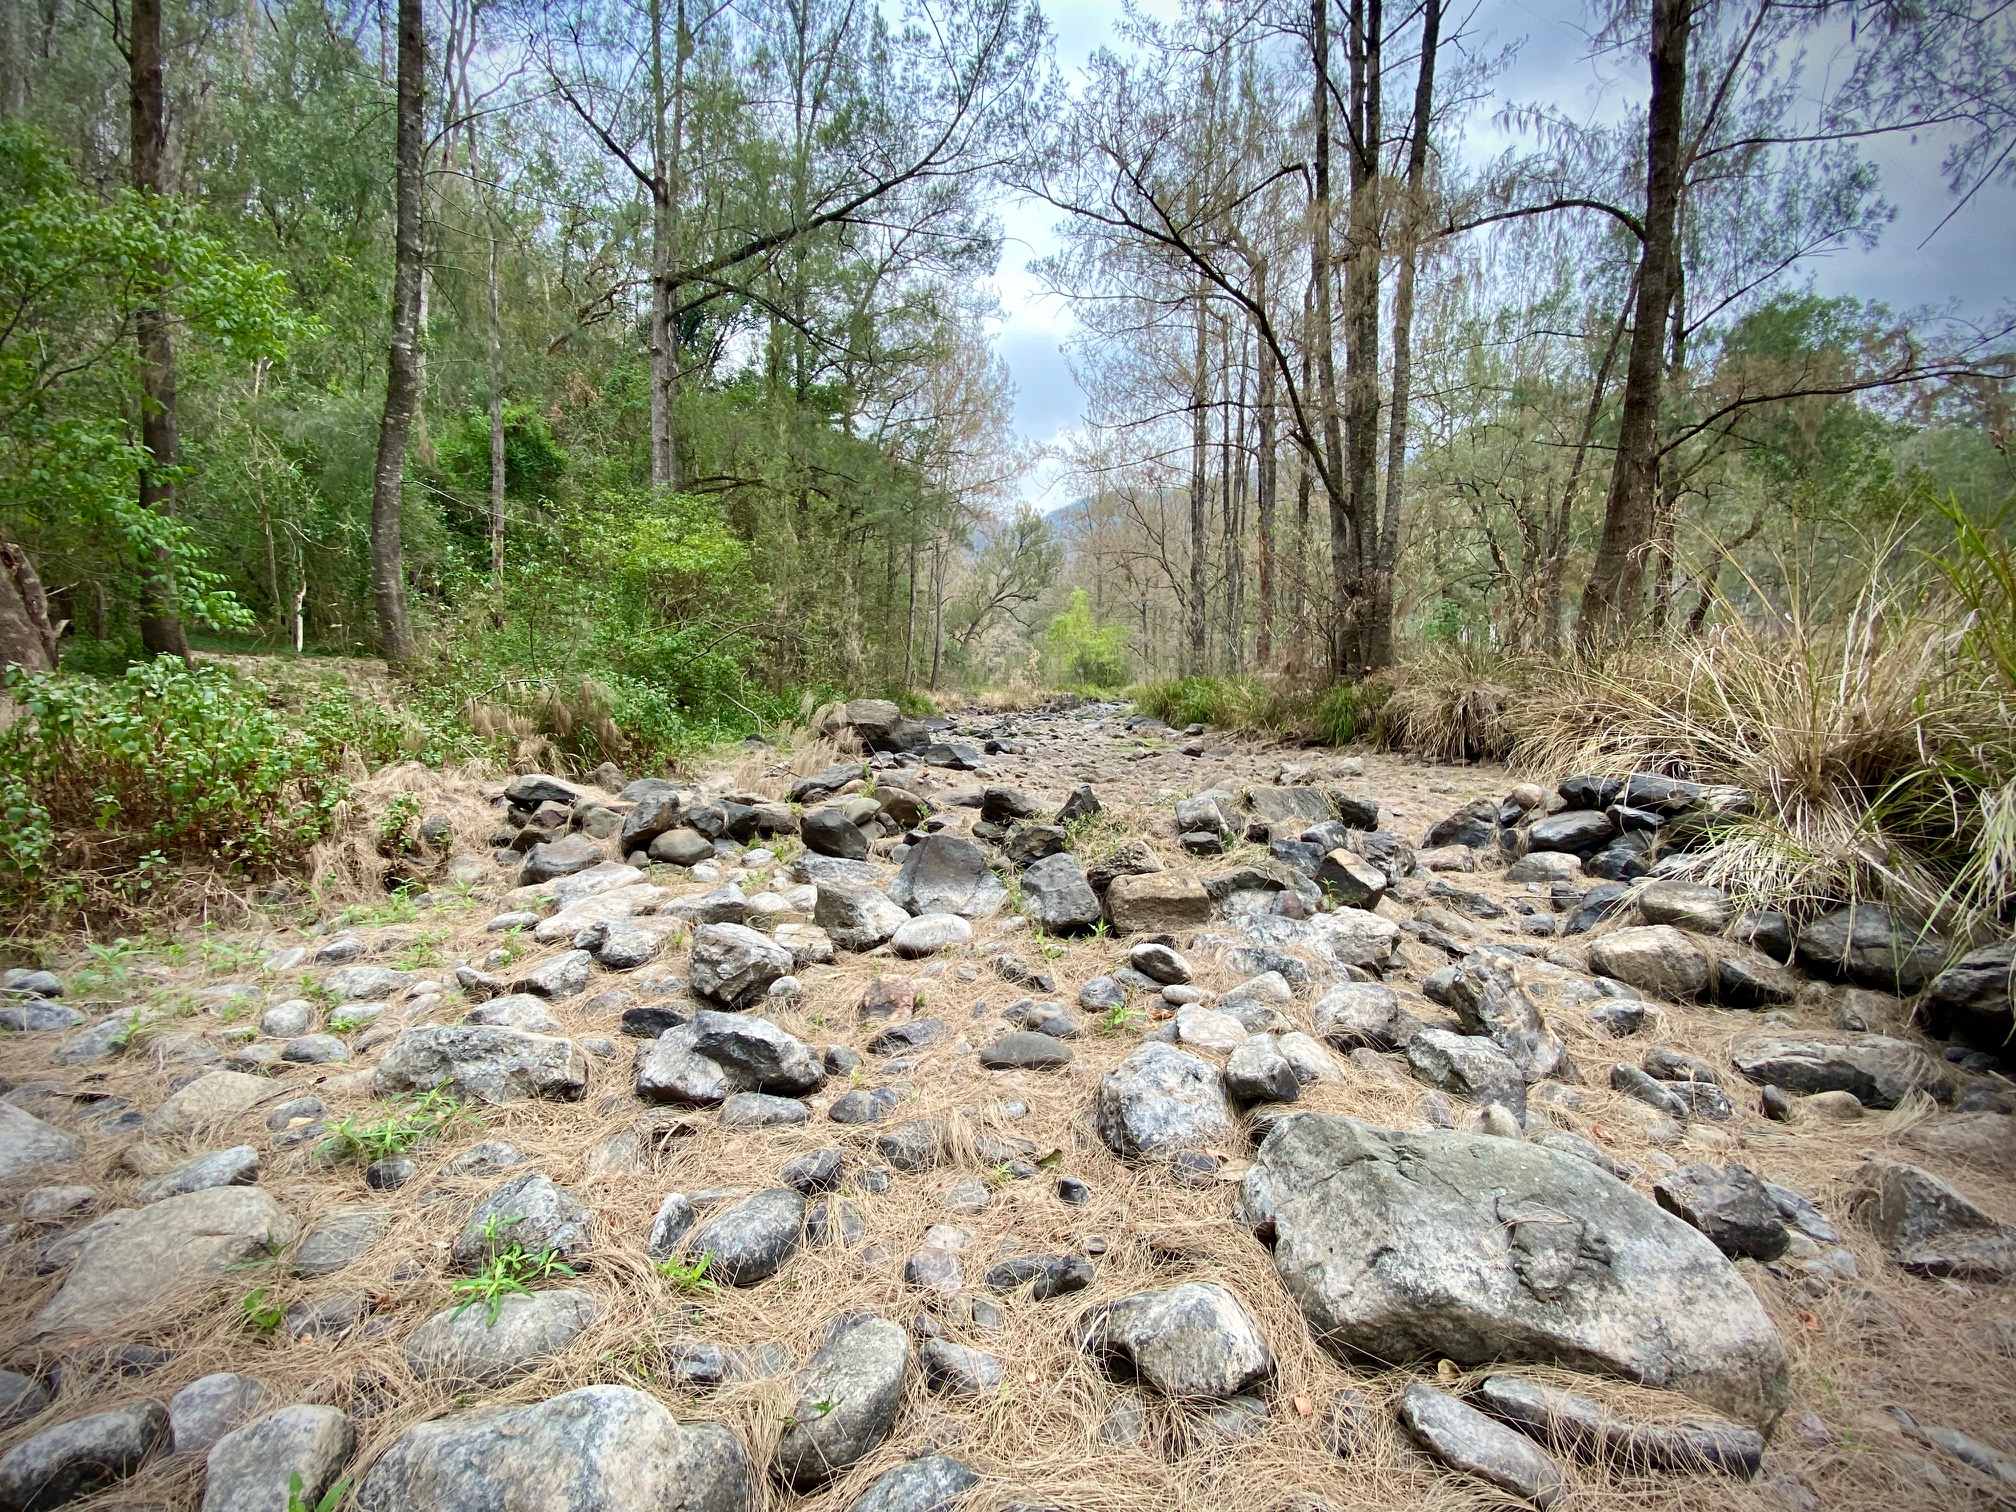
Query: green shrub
[
  {"x": 111, "y": 789},
  {"x": 1080, "y": 651}
]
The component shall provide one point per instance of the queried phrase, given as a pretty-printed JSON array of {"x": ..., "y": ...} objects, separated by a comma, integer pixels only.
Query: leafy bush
[
  {"x": 109, "y": 789},
  {"x": 1081, "y": 651}
]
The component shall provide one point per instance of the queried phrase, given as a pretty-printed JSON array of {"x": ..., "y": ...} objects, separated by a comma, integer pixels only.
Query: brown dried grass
[{"x": 1037, "y": 1442}]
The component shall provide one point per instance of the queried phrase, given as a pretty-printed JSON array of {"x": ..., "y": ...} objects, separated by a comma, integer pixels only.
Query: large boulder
[
  {"x": 1404, "y": 1246},
  {"x": 948, "y": 874},
  {"x": 27, "y": 1144},
  {"x": 1970, "y": 1000},
  {"x": 1147, "y": 902},
  {"x": 254, "y": 1468},
  {"x": 846, "y": 1400},
  {"x": 73, "y": 1459},
  {"x": 1656, "y": 959},
  {"x": 487, "y": 1346},
  {"x": 1056, "y": 896},
  {"x": 857, "y": 918},
  {"x": 1879, "y": 1071},
  {"x": 719, "y": 1054},
  {"x": 1872, "y": 947},
  {"x": 1488, "y": 1001},
  {"x": 1191, "y": 1342},
  {"x": 133, "y": 1261},
  {"x": 1928, "y": 1227},
  {"x": 560, "y": 858},
  {"x": 482, "y": 1063},
  {"x": 1160, "y": 1102},
  {"x": 1579, "y": 832},
  {"x": 734, "y": 964},
  {"x": 598, "y": 1449}
]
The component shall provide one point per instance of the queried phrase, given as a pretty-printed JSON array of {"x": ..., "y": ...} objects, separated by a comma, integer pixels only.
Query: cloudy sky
[{"x": 1967, "y": 262}]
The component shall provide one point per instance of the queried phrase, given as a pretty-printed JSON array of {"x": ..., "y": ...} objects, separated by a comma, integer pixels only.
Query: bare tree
[{"x": 402, "y": 376}]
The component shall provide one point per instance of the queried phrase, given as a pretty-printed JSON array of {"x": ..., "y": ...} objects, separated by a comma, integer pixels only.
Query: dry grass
[{"x": 1895, "y": 1340}]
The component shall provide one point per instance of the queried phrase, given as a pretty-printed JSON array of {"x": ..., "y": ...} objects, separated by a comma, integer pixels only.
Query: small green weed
[
  {"x": 510, "y": 1273},
  {"x": 297, "y": 1496},
  {"x": 397, "y": 1132},
  {"x": 1121, "y": 1018},
  {"x": 261, "y": 1314},
  {"x": 689, "y": 1277}
]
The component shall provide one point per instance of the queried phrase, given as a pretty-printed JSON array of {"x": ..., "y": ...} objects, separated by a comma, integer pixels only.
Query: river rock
[
  {"x": 734, "y": 964},
  {"x": 1488, "y": 1001},
  {"x": 473, "y": 1343},
  {"x": 1160, "y": 1102},
  {"x": 1585, "y": 1430},
  {"x": 1056, "y": 896},
  {"x": 237, "y": 1166},
  {"x": 1469, "y": 1065},
  {"x": 598, "y": 1449},
  {"x": 213, "y": 1099},
  {"x": 206, "y": 1409},
  {"x": 845, "y": 1401},
  {"x": 1656, "y": 959},
  {"x": 482, "y": 1064},
  {"x": 253, "y": 1468},
  {"x": 135, "y": 1259},
  {"x": 718, "y": 1054},
  {"x": 930, "y": 933},
  {"x": 1193, "y": 1341},
  {"x": 1579, "y": 832},
  {"x": 1465, "y": 1439},
  {"x": 1728, "y": 1204},
  {"x": 931, "y": 1484},
  {"x": 1877, "y": 1071},
  {"x": 1872, "y": 947},
  {"x": 1970, "y": 1000},
  {"x": 753, "y": 1239},
  {"x": 1151, "y": 902},
  {"x": 531, "y": 1212},
  {"x": 948, "y": 874},
  {"x": 27, "y": 1144},
  {"x": 1399, "y": 1246},
  {"x": 857, "y": 918},
  {"x": 1928, "y": 1227},
  {"x": 76, "y": 1458}
]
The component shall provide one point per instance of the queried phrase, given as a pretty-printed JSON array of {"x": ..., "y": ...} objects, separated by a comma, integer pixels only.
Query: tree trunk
[
  {"x": 161, "y": 629},
  {"x": 1323, "y": 339},
  {"x": 1200, "y": 445},
  {"x": 1610, "y": 601},
  {"x": 1561, "y": 527},
  {"x": 1379, "y": 612},
  {"x": 388, "y": 573},
  {"x": 496, "y": 438},
  {"x": 1361, "y": 315},
  {"x": 1266, "y": 483},
  {"x": 27, "y": 638}
]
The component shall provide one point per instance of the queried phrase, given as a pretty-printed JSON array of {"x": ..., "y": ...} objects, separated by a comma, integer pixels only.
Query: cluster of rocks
[{"x": 1486, "y": 1233}]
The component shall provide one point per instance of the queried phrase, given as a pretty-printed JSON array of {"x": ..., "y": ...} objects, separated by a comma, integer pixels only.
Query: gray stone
[
  {"x": 1688, "y": 905},
  {"x": 1580, "y": 832},
  {"x": 1350, "y": 879},
  {"x": 254, "y": 1468},
  {"x": 488, "y": 1346},
  {"x": 213, "y": 1099},
  {"x": 930, "y": 933},
  {"x": 1634, "y": 1083},
  {"x": 1465, "y": 1439},
  {"x": 481, "y": 1064},
  {"x": 74, "y": 1459},
  {"x": 1159, "y": 963},
  {"x": 133, "y": 1260},
  {"x": 681, "y": 846},
  {"x": 1259, "y": 1072},
  {"x": 948, "y": 874},
  {"x": 205, "y": 1410},
  {"x": 342, "y": 1234},
  {"x": 237, "y": 1166},
  {"x": 931, "y": 1484},
  {"x": 564, "y": 976},
  {"x": 27, "y": 1144},
  {"x": 1469, "y": 1065},
  {"x": 1488, "y": 1001},
  {"x": 1745, "y": 978},
  {"x": 1399, "y": 1246},
  {"x": 1728, "y": 1204},
  {"x": 761, "y": 1110},
  {"x": 830, "y": 832},
  {"x": 675, "y": 1217},
  {"x": 959, "y": 1371},
  {"x": 1970, "y": 1000},
  {"x": 285, "y": 1020},
  {"x": 857, "y": 918},
  {"x": 1928, "y": 1227},
  {"x": 1161, "y": 1101},
  {"x": 598, "y": 1449},
  {"x": 516, "y": 1010},
  {"x": 1656, "y": 959},
  {"x": 315, "y": 1050},
  {"x": 1025, "y": 1051},
  {"x": 1190, "y": 1342},
  {"x": 530, "y": 1212},
  {"x": 717, "y": 1054},
  {"x": 21, "y": 1398},
  {"x": 1057, "y": 897},
  {"x": 734, "y": 965},
  {"x": 1585, "y": 1430},
  {"x": 845, "y": 1401},
  {"x": 1355, "y": 1014},
  {"x": 1872, "y": 947},
  {"x": 814, "y": 1172},
  {"x": 1877, "y": 1071},
  {"x": 1150, "y": 902},
  {"x": 1544, "y": 866},
  {"x": 752, "y": 1240},
  {"x": 560, "y": 858}
]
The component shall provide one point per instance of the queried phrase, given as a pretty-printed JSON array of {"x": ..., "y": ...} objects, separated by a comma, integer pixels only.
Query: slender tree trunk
[
  {"x": 496, "y": 356},
  {"x": 1323, "y": 341},
  {"x": 1611, "y": 600},
  {"x": 1266, "y": 483},
  {"x": 1361, "y": 315},
  {"x": 664, "y": 360},
  {"x": 1200, "y": 442},
  {"x": 161, "y": 629},
  {"x": 1666, "y": 511},
  {"x": 1379, "y": 616},
  {"x": 1562, "y": 526},
  {"x": 388, "y": 572}
]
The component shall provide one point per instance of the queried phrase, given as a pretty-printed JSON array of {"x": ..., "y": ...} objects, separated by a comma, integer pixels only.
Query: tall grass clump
[
  {"x": 1875, "y": 738},
  {"x": 1450, "y": 700}
]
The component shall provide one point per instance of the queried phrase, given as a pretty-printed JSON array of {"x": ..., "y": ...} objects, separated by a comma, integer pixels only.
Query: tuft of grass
[
  {"x": 397, "y": 1132},
  {"x": 329, "y": 1501},
  {"x": 1450, "y": 703},
  {"x": 689, "y": 1277}
]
